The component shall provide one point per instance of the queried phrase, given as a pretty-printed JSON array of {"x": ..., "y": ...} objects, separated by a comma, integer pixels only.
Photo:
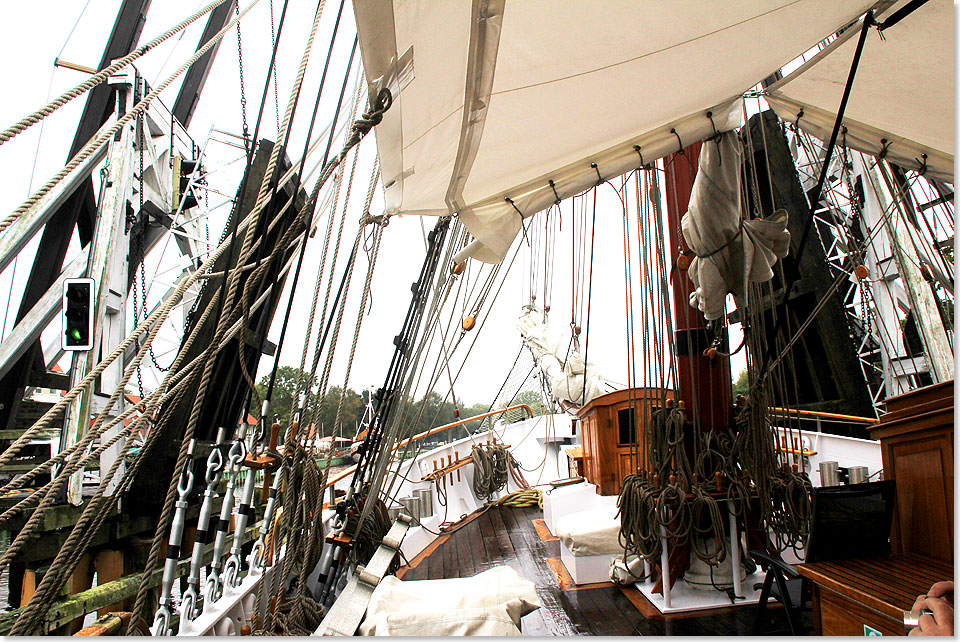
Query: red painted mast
[{"x": 704, "y": 384}]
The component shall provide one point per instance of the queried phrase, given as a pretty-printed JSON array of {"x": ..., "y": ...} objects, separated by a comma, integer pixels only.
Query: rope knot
[
  {"x": 380, "y": 219},
  {"x": 373, "y": 117}
]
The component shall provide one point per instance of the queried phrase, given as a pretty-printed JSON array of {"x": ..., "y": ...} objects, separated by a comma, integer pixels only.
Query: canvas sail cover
[
  {"x": 568, "y": 376},
  {"x": 493, "y": 100},
  {"x": 902, "y": 92},
  {"x": 730, "y": 252}
]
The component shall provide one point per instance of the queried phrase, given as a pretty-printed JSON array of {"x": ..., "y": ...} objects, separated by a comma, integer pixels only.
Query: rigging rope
[
  {"x": 102, "y": 75},
  {"x": 105, "y": 135}
]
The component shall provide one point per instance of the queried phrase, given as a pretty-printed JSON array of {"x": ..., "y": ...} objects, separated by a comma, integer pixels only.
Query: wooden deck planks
[
  {"x": 465, "y": 556},
  {"x": 508, "y": 536}
]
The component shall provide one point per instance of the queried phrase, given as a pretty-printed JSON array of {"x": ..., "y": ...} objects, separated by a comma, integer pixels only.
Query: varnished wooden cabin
[{"x": 609, "y": 431}]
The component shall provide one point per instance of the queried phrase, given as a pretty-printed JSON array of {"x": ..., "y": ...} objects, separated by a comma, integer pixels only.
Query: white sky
[{"x": 34, "y": 38}]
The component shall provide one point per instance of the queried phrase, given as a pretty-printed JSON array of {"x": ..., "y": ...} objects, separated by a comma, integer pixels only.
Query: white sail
[
  {"x": 730, "y": 252},
  {"x": 495, "y": 99},
  {"x": 570, "y": 378},
  {"x": 902, "y": 92}
]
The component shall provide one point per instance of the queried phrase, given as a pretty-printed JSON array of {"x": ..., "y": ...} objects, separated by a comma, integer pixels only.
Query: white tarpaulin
[
  {"x": 730, "y": 252},
  {"x": 564, "y": 369},
  {"x": 591, "y": 532},
  {"x": 902, "y": 91},
  {"x": 489, "y": 603},
  {"x": 494, "y": 99}
]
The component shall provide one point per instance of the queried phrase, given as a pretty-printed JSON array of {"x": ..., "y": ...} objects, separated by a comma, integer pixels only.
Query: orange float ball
[
  {"x": 683, "y": 261},
  {"x": 468, "y": 322},
  {"x": 861, "y": 272},
  {"x": 458, "y": 268}
]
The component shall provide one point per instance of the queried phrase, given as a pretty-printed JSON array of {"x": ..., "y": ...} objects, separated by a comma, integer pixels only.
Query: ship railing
[{"x": 351, "y": 469}]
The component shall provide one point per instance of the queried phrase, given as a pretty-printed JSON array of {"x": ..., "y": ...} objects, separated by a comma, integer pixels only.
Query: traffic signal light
[
  {"x": 182, "y": 170},
  {"x": 77, "y": 314}
]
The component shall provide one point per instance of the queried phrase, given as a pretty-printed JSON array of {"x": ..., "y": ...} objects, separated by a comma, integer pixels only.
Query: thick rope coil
[
  {"x": 490, "y": 469},
  {"x": 522, "y": 498},
  {"x": 639, "y": 531}
]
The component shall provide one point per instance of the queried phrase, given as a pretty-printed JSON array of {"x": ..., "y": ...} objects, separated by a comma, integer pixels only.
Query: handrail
[
  {"x": 343, "y": 473},
  {"x": 827, "y": 415}
]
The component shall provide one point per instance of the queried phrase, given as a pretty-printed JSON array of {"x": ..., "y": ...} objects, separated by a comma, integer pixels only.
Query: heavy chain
[
  {"x": 243, "y": 93},
  {"x": 273, "y": 43},
  {"x": 139, "y": 238}
]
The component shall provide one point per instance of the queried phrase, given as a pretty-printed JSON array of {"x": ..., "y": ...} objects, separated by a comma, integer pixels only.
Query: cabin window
[{"x": 627, "y": 426}]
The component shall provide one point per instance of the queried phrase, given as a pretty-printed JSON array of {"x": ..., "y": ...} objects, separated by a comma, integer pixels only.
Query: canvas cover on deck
[
  {"x": 902, "y": 92},
  {"x": 494, "y": 99},
  {"x": 490, "y": 603}
]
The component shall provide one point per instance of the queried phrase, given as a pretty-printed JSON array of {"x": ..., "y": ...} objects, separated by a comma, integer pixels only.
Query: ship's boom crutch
[
  {"x": 161, "y": 620},
  {"x": 188, "y": 604}
]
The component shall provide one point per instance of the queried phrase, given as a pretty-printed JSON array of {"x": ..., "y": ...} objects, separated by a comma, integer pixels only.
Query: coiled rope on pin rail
[
  {"x": 639, "y": 534},
  {"x": 490, "y": 469}
]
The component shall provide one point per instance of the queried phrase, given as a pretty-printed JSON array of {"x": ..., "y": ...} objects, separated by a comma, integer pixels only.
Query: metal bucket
[
  {"x": 856, "y": 474},
  {"x": 411, "y": 506},
  {"x": 829, "y": 473},
  {"x": 394, "y": 512},
  {"x": 425, "y": 495}
]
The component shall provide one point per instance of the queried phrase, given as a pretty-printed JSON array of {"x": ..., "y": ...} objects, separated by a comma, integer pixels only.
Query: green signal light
[{"x": 75, "y": 334}]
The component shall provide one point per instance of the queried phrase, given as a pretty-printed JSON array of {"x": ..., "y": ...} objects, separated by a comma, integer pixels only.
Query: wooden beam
[
  {"x": 99, "y": 597},
  {"x": 74, "y": 66},
  {"x": 109, "y": 566}
]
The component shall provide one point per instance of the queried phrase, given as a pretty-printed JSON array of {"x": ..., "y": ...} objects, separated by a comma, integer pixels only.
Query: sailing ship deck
[{"x": 517, "y": 537}]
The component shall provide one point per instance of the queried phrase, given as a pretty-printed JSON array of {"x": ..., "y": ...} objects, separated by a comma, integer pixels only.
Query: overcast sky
[{"x": 37, "y": 33}]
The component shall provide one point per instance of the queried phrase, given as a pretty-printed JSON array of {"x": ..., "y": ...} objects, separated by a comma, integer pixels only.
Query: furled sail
[
  {"x": 730, "y": 252},
  {"x": 496, "y": 100},
  {"x": 564, "y": 369},
  {"x": 901, "y": 104}
]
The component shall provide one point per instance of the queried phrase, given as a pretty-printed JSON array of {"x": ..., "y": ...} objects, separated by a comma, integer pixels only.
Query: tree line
[{"x": 418, "y": 416}]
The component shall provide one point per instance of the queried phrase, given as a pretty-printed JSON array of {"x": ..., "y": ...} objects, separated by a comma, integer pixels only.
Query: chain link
[
  {"x": 243, "y": 93},
  {"x": 273, "y": 43},
  {"x": 139, "y": 236}
]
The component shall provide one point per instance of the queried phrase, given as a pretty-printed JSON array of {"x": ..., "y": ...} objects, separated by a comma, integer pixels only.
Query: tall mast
[{"x": 703, "y": 384}]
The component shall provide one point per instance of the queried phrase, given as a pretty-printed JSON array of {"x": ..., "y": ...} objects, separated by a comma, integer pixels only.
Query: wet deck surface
[{"x": 517, "y": 538}]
